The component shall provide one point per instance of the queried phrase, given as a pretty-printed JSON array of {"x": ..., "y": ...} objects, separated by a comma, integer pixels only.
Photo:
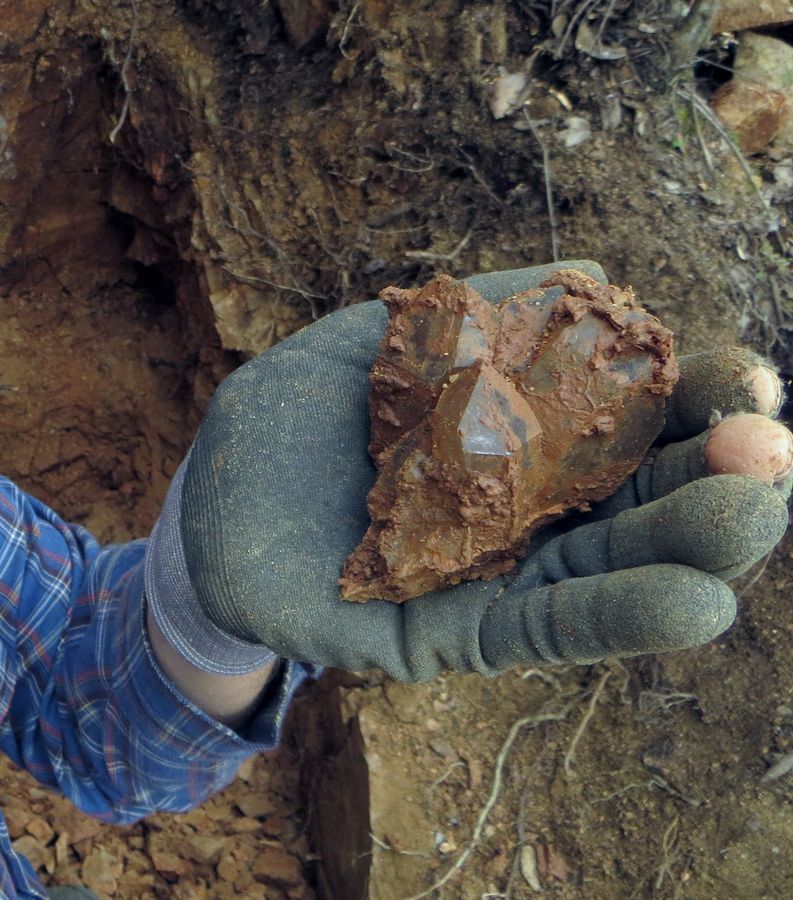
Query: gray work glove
[{"x": 274, "y": 500}]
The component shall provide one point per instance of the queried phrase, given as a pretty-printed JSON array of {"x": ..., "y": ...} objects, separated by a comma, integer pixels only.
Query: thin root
[
  {"x": 533, "y": 721},
  {"x": 590, "y": 711}
]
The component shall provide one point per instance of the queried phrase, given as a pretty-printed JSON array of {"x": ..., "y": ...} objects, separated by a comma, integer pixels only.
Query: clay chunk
[{"x": 488, "y": 422}]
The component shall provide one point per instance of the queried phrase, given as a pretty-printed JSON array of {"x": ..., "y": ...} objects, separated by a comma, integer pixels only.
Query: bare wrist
[{"x": 229, "y": 699}]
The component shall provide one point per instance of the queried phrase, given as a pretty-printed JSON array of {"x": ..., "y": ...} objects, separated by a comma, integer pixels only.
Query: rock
[
  {"x": 100, "y": 871},
  {"x": 16, "y": 819},
  {"x": 228, "y": 869},
  {"x": 752, "y": 113},
  {"x": 443, "y": 749},
  {"x": 244, "y": 825},
  {"x": 577, "y": 131},
  {"x": 551, "y": 863},
  {"x": 489, "y": 422},
  {"x": 273, "y": 866},
  {"x": 305, "y": 20},
  {"x": 756, "y": 104},
  {"x": 769, "y": 61},
  {"x": 61, "y": 848},
  {"x": 507, "y": 93},
  {"x": 528, "y": 867},
  {"x": 169, "y": 865},
  {"x": 274, "y": 826},
  {"x": 256, "y": 806},
  {"x": 765, "y": 59},
  {"x": 204, "y": 848},
  {"x": 738, "y": 15},
  {"x": 40, "y": 857},
  {"x": 40, "y": 829}
]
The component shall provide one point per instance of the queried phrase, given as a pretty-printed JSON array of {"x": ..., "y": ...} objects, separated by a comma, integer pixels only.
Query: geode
[{"x": 489, "y": 422}]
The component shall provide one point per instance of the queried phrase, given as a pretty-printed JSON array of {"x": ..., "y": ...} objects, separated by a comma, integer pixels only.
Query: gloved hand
[{"x": 274, "y": 500}]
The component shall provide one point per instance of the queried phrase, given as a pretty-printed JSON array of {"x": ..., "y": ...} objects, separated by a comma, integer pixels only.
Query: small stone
[
  {"x": 277, "y": 867},
  {"x": 62, "y": 848},
  {"x": 243, "y": 880},
  {"x": 204, "y": 848},
  {"x": 577, "y": 131},
  {"x": 100, "y": 871},
  {"x": 443, "y": 748},
  {"x": 244, "y": 825},
  {"x": 227, "y": 869},
  {"x": 169, "y": 865},
  {"x": 245, "y": 771},
  {"x": 81, "y": 828},
  {"x": 274, "y": 826},
  {"x": 256, "y": 806},
  {"x": 752, "y": 112},
  {"x": 528, "y": 867},
  {"x": 39, "y": 856},
  {"x": 507, "y": 93},
  {"x": 40, "y": 829},
  {"x": 16, "y": 819}
]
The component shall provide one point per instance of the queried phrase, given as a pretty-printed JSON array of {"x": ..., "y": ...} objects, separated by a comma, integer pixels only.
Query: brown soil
[{"x": 250, "y": 186}]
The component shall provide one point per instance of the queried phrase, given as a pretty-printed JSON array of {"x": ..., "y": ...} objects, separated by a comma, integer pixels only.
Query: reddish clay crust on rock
[{"x": 489, "y": 422}]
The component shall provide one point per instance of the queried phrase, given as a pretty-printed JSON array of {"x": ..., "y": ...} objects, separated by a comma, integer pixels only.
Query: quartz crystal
[{"x": 489, "y": 422}]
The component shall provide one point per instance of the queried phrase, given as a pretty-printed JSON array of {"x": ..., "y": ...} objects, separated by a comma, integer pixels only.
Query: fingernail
[{"x": 767, "y": 389}]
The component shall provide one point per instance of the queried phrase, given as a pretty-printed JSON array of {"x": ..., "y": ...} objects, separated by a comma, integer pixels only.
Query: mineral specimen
[{"x": 488, "y": 422}]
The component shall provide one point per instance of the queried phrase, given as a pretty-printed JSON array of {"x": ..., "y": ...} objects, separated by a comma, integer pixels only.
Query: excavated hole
[{"x": 108, "y": 357}]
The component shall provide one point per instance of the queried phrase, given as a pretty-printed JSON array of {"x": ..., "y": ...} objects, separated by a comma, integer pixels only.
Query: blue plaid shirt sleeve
[{"x": 84, "y": 706}]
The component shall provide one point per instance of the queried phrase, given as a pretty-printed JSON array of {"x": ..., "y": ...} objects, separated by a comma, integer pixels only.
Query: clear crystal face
[
  {"x": 478, "y": 429},
  {"x": 481, "y": 421},
  {"x": 471, "y": 344}
]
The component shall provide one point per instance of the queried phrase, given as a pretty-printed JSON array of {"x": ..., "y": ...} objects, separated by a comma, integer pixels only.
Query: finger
[
  {"x": 721, "y": 525},
  {"x": 745, "y": 444},
  {"x": 646, "y": 610},
  {"x": 496, "y": 286},
  {"x": 750, "y": 445},
  {"x": 726, "y": 380}
]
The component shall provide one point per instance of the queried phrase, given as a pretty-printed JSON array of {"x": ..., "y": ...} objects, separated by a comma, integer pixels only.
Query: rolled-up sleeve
[{"x": 84, "y": 706}]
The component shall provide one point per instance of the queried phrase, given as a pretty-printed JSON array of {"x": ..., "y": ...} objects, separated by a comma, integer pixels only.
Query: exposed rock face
[{"x": 489, "y": 422}]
